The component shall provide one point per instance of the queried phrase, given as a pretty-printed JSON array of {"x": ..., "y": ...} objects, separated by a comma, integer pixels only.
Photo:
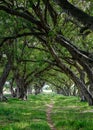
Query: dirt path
[{"x": 48, "y": 113}]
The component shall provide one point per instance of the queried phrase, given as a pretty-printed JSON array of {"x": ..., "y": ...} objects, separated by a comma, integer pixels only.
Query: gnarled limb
[{"x": 77, "y": 13}]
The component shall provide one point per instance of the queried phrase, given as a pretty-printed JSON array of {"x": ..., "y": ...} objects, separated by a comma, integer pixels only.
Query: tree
[
  {"x": 7, "y": 67},
  {"x": 42, "y": 20}
]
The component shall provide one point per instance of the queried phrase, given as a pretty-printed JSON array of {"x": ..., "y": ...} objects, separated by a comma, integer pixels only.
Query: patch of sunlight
[
  {"x": 36, "y": 120},
  {"x": 26, "y": 114},
  {"x": 22, "y": 125},
  {"x": 88, "y": 111},
  {"x": 72, "y": 106}
]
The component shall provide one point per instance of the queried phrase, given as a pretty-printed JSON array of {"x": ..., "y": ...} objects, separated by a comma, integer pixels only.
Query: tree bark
[
  {"x": 38, "y": 87},
  {"x": 13, "y": 92},
  {"x": 37, "y": 90},
  {"x": 75, "y": 12},
  {"x": 3, "y": 78},
  {"x": 21, "y": 90},
  {"x": 68, "y": 72}
]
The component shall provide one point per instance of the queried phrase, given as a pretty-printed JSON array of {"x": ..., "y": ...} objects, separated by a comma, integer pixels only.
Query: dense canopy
[{"x": 47, "y": 42}]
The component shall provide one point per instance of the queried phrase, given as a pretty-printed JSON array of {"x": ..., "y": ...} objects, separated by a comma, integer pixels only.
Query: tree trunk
[
  {"x": 29, "y": 90},
  {"x": 13, "y": 92},
  {"x": 1, "y": 95},
  {"x": 68, "y": 72},
  {"x": 91, "y": 88},
  {"x": 74, "y": 91},
  {"x": 38, "y": 87},
  {"x": 3, "y": 78},
  {"x": 37, "y": 90},
  {"x": 22, "y": 93},
  {"x": 21, "y": 90},
  {"x": 75, "y": 12}
]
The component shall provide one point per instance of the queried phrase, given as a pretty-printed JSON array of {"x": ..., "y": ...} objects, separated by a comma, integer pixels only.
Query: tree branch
[
  {"x": 75, "y": 12},
  {"x": 19, "y": 35}
]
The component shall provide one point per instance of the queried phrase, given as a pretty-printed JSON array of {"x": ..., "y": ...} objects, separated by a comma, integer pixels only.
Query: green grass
[
  {"x": 68, "y": 113},
  {"x": 24, "y": 115},
  {"x": 71, "y": 114}
]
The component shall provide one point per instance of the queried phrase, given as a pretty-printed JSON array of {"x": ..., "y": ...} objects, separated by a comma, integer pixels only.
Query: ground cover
[
  {"x": 24, "y": 115},
  {"x": 66, "y": 113},
  {"x": 70, "y": 114}
]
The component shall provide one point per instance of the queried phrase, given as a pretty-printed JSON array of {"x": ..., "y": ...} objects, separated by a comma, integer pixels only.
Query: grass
[
  {"x": 24, "y": 115},
  {"x": 71, "y": 114},
  {"x": 68, "y": 113}
]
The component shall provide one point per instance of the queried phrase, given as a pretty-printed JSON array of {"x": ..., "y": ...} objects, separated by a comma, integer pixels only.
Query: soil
[{"x": 48, "y": 113}]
